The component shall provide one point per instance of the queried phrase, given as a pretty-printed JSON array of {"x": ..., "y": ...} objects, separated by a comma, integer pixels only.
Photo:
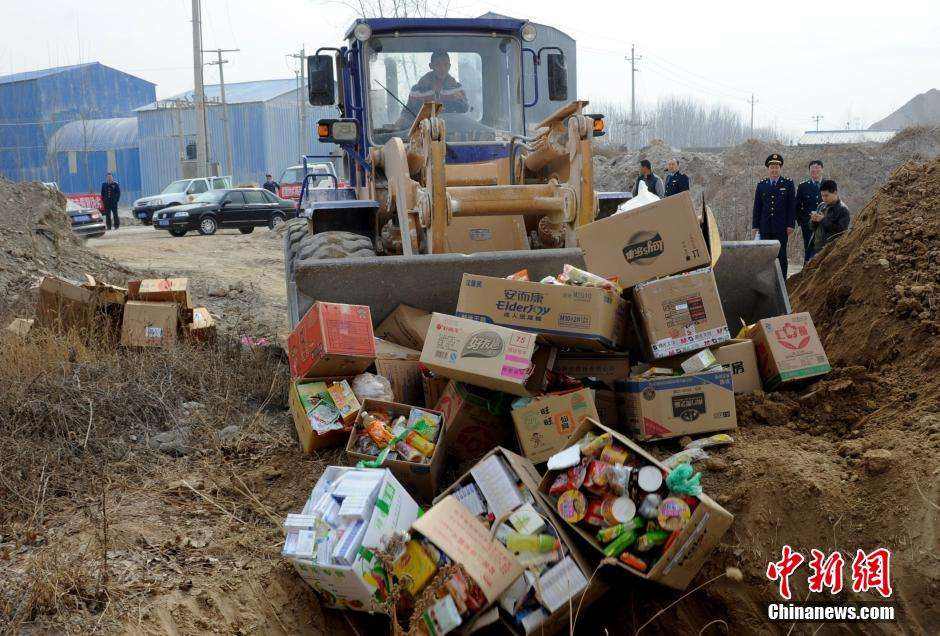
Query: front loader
[{"x": 436, "y": 190}]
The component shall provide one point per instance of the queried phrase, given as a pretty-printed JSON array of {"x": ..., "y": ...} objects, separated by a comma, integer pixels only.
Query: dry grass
[{"x": 76, "y": 415}]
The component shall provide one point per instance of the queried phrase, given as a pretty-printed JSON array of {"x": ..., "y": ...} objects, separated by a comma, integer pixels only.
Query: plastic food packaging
[
  {"x": 686, "y": 456},
  {"x": 718, "y": 439},
  {"x": 531, "y": 542},
  {"x": 649, "y": 478},
  {"x": 623, "y": 541},
  {"x": 371, "y": 386},
  {"x": 522, "y": 274},
  {"x": 683, "y": 480},
  {"x": 673, "y": 514},
  {"x": 643, "y": 197},
  {"x": 649, "y": 509},
  {"x": 376, "y": 430}
]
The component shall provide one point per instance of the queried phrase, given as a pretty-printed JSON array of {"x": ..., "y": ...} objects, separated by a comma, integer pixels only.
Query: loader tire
[{"x": 305, "y": 246}]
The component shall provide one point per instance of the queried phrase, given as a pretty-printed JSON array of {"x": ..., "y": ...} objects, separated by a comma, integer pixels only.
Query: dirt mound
[{"x": 37, "y": 240}]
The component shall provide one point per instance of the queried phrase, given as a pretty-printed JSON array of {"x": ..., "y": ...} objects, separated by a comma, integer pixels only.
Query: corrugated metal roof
[
  {"x": 31, "y": 75},
  {"x": 829, "y": 137},
  {"x": 95, "y": 134},
  {"x": 238, "y": 92}
]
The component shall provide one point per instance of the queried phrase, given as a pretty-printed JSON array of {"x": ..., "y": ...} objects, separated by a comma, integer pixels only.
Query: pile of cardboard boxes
[
  {"x": 523, "y": 372},
  {"x": 154, "y": 312}
]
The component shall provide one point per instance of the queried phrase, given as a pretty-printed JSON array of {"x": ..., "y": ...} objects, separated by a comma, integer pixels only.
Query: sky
[{"x": 852, "y": 62}]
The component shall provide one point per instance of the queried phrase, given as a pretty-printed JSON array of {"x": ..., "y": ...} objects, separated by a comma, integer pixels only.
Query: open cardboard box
[
  {"x": 544, "y": 425},
  {"x": 678, "y": 564},
  {"x": 310, "y": 440},
  {"x": 419, "y": 478},
  {"x": 558, "y": 620}
]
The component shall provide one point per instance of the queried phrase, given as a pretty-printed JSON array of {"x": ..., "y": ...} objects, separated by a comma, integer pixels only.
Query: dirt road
[{"x": 240, "y": 277}]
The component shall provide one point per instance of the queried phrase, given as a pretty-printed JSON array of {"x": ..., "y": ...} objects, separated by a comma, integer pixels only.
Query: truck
[{"x": 435, "y": 190}]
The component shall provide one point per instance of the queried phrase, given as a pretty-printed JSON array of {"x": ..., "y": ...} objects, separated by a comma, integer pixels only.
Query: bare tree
[{"x": 394, "y": 8}]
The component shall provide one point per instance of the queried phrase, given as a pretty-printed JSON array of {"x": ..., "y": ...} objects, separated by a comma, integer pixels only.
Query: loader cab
[{"x": 382, "y": 76}]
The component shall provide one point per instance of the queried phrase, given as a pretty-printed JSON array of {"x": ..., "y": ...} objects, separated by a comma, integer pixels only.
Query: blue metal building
[
  {"x": 35, "y": 104},
  {"x": 82, "y": 151},
  {"x": 264, "y": 120}
]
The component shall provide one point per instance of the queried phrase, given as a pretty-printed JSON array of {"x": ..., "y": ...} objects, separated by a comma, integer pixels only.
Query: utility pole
[
  {"x": 817, "y": 119},
  {"x": 752, "y": 101},
  {"x": 202, "y": 148},
  {"x": 301, "y": 58},
  {"x": 633, "y": 59},
  {"x": 225, "y": 127}
]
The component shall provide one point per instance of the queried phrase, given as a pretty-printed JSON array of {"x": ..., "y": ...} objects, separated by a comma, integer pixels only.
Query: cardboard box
[
  {"x": 658, "y": 239},
  {"x": 566, "y": 315},
  {"x": 20, "y": 326},
  {"x": 463, "y": 538},
  {"x": 526, "y": 472},
  {"x": 421, "y": 480},
  {"x": 332, "y": 339},
  {"x": 63, "y": 304},
  {"x": 469, "y": 235},
  {"x": 788, "y": 349},
  {"x": 164, "y": 290},
  {"x": 400, "y": 366},
  {"x": 433, "y": 386},
  {"x": 405, "y": 326},
  {"x": 544, "y": 425},
  {"x": 361, "y": 585},
  {"x": 202, "y": 327},
  {"x": 489, "y": 356},
  {"x": 680, "y": 313},
  {"x": 149, "y": 324},
  {"x": 606, "y": 367},
  {"x": 475, "y": 420},
  {"x": 678, "y": 564},
  {"x": 671, "y": 406},
  {"x": 739, "y": 356},
  {"x": 300, "y": 405}
]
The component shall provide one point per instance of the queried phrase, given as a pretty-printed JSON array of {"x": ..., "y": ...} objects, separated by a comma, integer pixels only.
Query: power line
[
  {"x": 817, "y": 119},
  {"x": 225, "y": 125}
]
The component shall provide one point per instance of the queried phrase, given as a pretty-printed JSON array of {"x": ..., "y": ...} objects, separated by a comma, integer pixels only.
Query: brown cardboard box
[
  {"x": 738, "y": 355},
  {"x": 680, "y": 313},
  {"x": 421, "y": 480},
  {"x": 566, "y": 315},
  {"x": 149, "y": 324},
  {"x": 604, "y": 367},
  {"x": 469, "y": 235},
  {"x": 400, "y": 366},
  {"x": 64, "y": 304},
  {"x": 607, "y": 402},
  {"x": 558, "y": 620},
  {"x": 202, "y": 327},
  {"x": 433, "y": 386},
  {"x": 658, "y": 239},
  {"x": 464, "y": 538},
  {"x": 476, "y": 420},
  {"x": 489, "y": 356},
  {"x": 682, "y": 560},
  {"x": 166, "y": 290},
  {"x": 331, "y": 339},
  {"x": 544, "y": 425},
  {"x": 671, "y": 406},
  {"x": 788, "y": 349},
  {"x": 311, "y": 440},
  {"x": 405, "y": 326}
]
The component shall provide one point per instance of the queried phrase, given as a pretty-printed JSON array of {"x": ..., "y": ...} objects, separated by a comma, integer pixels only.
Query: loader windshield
[{"x": 475, "y": 77}]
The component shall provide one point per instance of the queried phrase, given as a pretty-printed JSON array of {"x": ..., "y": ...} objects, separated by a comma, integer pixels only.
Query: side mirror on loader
[
  {"x": 557, "y": 77},
  {"x": 321, "y": 88}
]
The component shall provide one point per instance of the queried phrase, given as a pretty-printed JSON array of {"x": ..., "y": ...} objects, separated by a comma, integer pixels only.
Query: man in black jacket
[
  {"x": 807, "y": 200},
  {"x": 653, "y": 183},
  {"x": 110, "y": 195},
  {"x": 832, "y": 218},
  {"x": 676, "y": 181},
  {"x": 270, "y": 184}
]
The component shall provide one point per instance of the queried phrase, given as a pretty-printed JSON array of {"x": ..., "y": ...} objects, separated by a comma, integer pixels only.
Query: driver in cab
[{"x": 437, "y": 85}]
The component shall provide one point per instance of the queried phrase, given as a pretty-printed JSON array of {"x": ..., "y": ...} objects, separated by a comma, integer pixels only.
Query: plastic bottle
[
  {"x": 623, "y": 541},
  {"x": 376, "y": 430},
  {"x": 531, "y": 542}
]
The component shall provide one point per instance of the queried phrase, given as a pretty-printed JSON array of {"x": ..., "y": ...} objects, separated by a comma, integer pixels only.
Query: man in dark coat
[
  {"x": 774, "y": 214},
  {"x": 270, "y": 184},
  {"x": 807, "y": 200},
  {"x": 832, "y": 218},
  {"x": 653, "y": 182},
  {"x": 110, "y": 195},
  {"x": 676, "y": 181}
]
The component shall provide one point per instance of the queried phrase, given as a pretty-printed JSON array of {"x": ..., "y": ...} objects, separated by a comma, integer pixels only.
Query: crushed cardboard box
[
  {"x": 406, "y": 326},
  {"x": 545, "y": 424},
  {"x": 680, "y": 313},
  {"x": 739, "y": 356},
  {"x": 606, "y": 367},
  {"x": 566, "y": 315},
  {"x": 332, "y": 339},
  {"x": 400, "y": 366},
  {"x": 788, "y": 349},
  {"x": 475, "y": 420},
  {"x": 489, "y": 356},
  {"x": 661, "y": 407},
  {"x": 658, "y": 239}
]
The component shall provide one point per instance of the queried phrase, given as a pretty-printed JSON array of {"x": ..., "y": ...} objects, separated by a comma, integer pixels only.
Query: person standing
[
  {"x": 270, "y": 184},
  {"x": 676, "y": 181},
  {"x": 653, "y": 183},
  {"x": 831, "y": 219},
  {"x": 807, "y": 201},
  {"x": 774, "y": 214},
  {"x": 110, "y": 195}
]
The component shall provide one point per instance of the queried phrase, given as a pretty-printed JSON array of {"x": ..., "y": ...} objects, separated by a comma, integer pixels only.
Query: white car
[
  {"x": 177, "y": 193},
  {"x": 292, "y": 179}
]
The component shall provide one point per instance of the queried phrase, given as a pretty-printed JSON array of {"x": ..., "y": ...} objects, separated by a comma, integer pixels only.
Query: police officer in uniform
[
  {"x": 808, "y": 199},
  {"x": 774, "y": 214},
  {"x": 677, "y": 181}
]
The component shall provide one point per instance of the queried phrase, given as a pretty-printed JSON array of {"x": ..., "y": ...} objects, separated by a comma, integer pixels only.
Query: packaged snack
[
  {"x": 674, "y": 513},
  {"x": 425, "y": 424},
  {"x": 572, "y": 505},
  {"x": 531, "y": 542}
]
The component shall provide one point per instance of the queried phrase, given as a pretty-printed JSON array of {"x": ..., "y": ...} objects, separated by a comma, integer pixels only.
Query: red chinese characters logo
[
  {"x": 792, "y": 336},
  {"x": 870, "y": 571}
]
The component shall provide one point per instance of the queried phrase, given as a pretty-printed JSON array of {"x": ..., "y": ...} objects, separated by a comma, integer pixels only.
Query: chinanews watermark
[{"x": 868, "y": 573}]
